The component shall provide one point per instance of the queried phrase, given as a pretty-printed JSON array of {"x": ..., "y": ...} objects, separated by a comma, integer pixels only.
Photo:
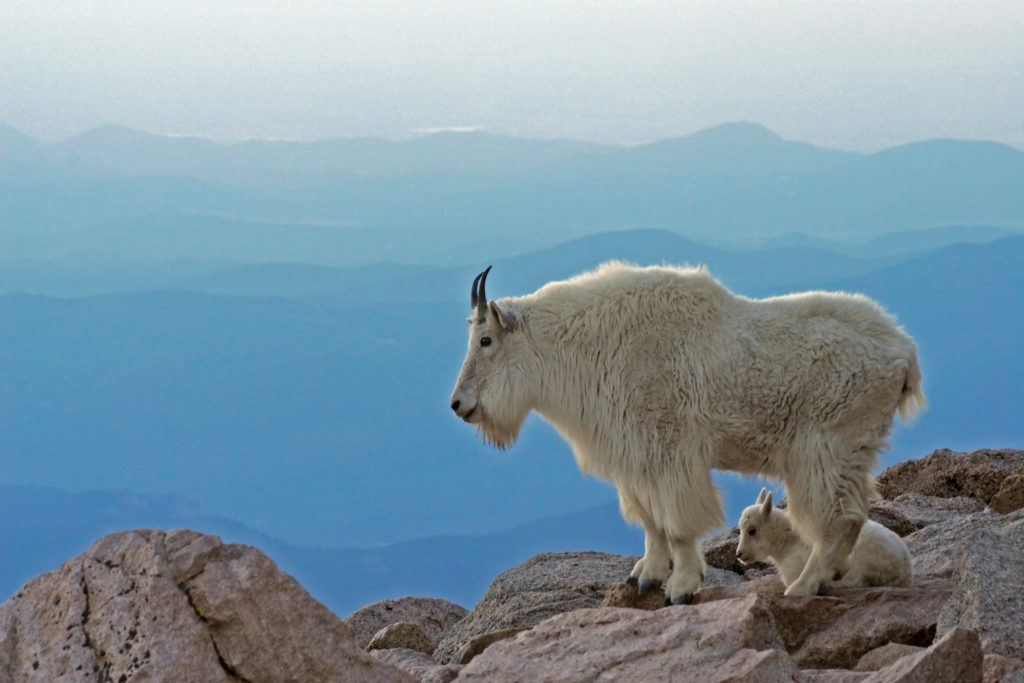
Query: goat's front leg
[
  {"x": 687, "y": 571},
  {"x": 650, "y": 571}
]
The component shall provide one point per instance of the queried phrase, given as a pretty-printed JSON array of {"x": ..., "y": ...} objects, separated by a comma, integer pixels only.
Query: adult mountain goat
[{"x": 657, "y": 375}]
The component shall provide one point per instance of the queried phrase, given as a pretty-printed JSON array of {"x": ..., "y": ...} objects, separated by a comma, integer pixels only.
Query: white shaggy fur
[
  {"x": 657, "y": 375},
  {"x": 879, "y": 557}
]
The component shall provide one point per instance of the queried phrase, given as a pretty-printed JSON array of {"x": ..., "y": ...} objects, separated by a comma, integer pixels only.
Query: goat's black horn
[
  {"x": 481, "y": 296},
  {"x": 472, "y": 294}
]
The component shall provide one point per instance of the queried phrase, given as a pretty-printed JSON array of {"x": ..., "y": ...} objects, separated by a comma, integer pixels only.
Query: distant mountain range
[
  {"x": 785, "y": 262},
  {"x": 738, "y": 149},
  {"x": 113, "y": 196}
]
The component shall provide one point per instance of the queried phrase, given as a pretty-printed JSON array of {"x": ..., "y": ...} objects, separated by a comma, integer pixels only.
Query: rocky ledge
[
  {"x": 153, "y": 605},
  {"x": 176, "y": 606}
]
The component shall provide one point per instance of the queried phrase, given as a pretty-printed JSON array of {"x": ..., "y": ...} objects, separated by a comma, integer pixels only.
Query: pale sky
[{"x": 856, "y": 75}]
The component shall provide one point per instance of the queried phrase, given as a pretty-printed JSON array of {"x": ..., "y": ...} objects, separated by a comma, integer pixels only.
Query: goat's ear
[
  {"x": 761, "y": 496},
  {"x": 506, "y": 317},
  {"x": 766, "y": 505}
]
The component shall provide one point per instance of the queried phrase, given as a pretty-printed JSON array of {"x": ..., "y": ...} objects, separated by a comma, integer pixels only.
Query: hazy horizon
[
  {"x": 412, "y": 135},
  {"x": 849, "y": 75}
]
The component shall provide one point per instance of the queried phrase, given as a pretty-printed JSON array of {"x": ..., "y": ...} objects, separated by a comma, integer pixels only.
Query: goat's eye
[
  {"x": 485, "y": 341},
  {"x": 751, "y": 532}
]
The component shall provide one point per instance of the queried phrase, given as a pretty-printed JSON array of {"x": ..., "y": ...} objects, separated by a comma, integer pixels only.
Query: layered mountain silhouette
[{"x": 112, "y": 194}]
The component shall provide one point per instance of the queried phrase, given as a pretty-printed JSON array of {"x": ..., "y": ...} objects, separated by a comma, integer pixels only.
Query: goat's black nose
[{"x": 455, "y": 405}]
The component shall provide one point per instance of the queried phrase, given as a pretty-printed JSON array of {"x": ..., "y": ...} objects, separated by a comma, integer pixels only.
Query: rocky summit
[{"x": 172, "y": 606}]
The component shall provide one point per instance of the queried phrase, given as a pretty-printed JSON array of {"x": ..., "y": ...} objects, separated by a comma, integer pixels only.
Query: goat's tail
[{"x": 912, "y": 400}]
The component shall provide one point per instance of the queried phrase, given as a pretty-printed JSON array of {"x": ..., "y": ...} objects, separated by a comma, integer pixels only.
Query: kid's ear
[
  {"x": 766, "y": 505},
  {"x": 505, "y": 317},
  {"x": 761, "y": 496}
]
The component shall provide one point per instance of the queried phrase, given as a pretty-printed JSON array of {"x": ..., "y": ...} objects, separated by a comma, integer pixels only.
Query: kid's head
[{"x": 752, "y": 546}]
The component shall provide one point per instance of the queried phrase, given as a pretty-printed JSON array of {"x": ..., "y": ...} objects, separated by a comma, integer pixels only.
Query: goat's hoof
[
  {"x": 799, "y": 589},
  {"x": 684, "y": 599},
  {"x": 821, "y": 589},
  {"x": 647, "y": 585},
  {"x": 631, "y": 581},
  {"x": 838, "y": 575}
]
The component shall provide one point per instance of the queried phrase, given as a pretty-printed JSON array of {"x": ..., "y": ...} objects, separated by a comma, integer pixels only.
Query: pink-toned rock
[
  {"x": 769, "y": 585},
  {"x": 934, "y": 549},
  {"x": 434, "y": 615},
  {"x": 249, "y": 605},
  {"x": 720, "y": 551},
  {"x": 402, "y": 635},
  {"x": 881, "y": 657},
  {"x": 909, "y": 512},
  {"x": 724, "y": 640},
  {"x": 418, "y": 665},
  {"x": 478, "y": 644},
  {"x": 543, "y": 586},
  {"x": 982, "y": 555},
  {"x": 956, "y": 656},
  {"x": 627, "y": 595},
  {"x": 988, "y": 584},
  {"x": 948, "y": 474},
  {"x": 835, "y": 630},
  {"x": 832, "y": 676},
  {"x": 1010, "y": 496},
  {"x": 151, "y": 605},
  {"x": 1000, "y": 669}
]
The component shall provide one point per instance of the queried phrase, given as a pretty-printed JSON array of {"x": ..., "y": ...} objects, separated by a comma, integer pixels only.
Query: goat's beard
[{"x": 500, "y": 433}]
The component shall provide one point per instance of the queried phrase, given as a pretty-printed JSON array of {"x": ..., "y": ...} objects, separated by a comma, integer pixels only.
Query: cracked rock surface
[
  {"x": 434, "y": 615},
  {"x": 732, "y": 640},
  {"x": 178, "y": 605}
]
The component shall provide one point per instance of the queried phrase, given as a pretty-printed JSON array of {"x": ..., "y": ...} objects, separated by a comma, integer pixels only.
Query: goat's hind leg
[
  {"x": 828, "y": 562},
  {"x": 828, "y": 512}
]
